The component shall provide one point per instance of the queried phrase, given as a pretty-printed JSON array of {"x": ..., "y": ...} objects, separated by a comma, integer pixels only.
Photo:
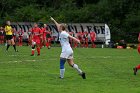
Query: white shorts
[{"x": 67, "y": 54}]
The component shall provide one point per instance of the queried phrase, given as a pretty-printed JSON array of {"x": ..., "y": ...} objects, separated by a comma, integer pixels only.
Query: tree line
[{"x": 122, "y": 16}]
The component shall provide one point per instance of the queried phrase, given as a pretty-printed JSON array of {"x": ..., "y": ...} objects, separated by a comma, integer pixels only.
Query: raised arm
[{"x": 57, "y": 24}]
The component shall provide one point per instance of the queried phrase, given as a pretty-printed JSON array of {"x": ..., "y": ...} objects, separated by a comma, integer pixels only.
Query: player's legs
[
  {"x": 75, "y": 66},
  {"x": 38, "y": 46},
  {"x": 8, "y": 44},
  {"x": 33, "y": 47},
  {"x": 93, "y": 45},
  {"x": 20, "y": 41},
  {"x": 44, "y": 42},
  {"x": 138, "y": 66},
  {"x": 38, "y": 49},
  {"x": 62, "y": 68},
  {"x": 14, "y": 45},
  {"x": 86, "y": 42},
  {"x": 3, "y": 39},
  {"x": 8, "y": 38},
  {"x": 136, "y": 69},
  {"x": 49, "y": 43},
  {"x": 33, "y": 50}
]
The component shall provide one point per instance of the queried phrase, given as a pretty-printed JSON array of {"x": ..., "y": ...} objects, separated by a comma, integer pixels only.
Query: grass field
[{"x": 107, "y": 70}]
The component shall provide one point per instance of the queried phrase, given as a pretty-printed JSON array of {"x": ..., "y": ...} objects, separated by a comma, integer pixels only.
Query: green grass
[{"x": 107, "y": 70}]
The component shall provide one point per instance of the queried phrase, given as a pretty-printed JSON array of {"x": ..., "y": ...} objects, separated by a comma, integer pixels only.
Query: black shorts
[{"x": 9, "y": 37}]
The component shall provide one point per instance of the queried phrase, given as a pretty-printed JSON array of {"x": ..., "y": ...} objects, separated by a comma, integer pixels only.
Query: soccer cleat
[
  {"x": 135, "y": 71},
  {"x": 38, "y": 54},
  {"x": 60, "y": 77},
  {"x": 83, "y": 75}
]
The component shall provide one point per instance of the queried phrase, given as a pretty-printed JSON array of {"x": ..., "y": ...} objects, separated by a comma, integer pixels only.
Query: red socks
[
  {"x": 138, "y": 66},
  {"x": 47, "y": 44},
  {"x": 33, "y": 52},
  {"x": 41, "y": 45},
  {"x": 38, "y": 50}
]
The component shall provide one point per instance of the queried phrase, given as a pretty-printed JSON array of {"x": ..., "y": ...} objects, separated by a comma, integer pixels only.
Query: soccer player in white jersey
[{"x": 67, "y": 52}]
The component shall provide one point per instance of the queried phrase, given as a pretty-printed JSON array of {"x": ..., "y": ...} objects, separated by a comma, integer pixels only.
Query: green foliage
[{"x": 122, "y": 16}]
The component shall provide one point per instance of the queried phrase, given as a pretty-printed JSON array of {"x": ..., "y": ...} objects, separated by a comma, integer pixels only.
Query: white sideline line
[
  {"x": 17, "y": 55},
  {"x": 93, "y": 57},
  {"x": 106, "y": 57},
  {"x": 19, "y": 61}
]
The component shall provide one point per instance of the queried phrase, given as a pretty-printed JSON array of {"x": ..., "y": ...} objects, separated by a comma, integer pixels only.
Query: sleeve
[{"x": 66, "y": 35}]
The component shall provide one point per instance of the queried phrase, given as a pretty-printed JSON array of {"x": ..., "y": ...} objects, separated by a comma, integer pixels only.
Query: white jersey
[{"x": 64, "y": 41}]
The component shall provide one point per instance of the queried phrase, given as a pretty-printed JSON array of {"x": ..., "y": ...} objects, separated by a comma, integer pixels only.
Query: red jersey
[
  {"x": 44, "y": 32},
  {"x": 80, "y": 35},
  {"x": 20, "y": 32},
  {"x": 36, "y": 31},
  {"x": 93, "y": 35}
]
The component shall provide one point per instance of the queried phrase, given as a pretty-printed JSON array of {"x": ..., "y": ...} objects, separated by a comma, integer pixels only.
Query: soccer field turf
[{"x": 107, "y": 70}]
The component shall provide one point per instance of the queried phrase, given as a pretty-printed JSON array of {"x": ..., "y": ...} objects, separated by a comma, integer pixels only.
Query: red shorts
[
  {"x": 49, "y": 39},
  {"x": 36, "y": 40},
  {"x": 92, "y": 40}
]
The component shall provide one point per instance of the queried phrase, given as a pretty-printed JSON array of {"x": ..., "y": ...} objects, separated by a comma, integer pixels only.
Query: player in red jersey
[
  {"x": 93, "y": 38},
  {"x": 2, "y": 35},
  {"x": 41, "y": 37},
  {"x": 20, "y": 36},
  {"x": 44, "y": 31},
  {"x": 80, "y": 37},
  {"x": 36, "y": 33},
  {"x": 85, "y": 38},
  {"x": 138, "y": 66},
  {"x": 48, "y": 38}
]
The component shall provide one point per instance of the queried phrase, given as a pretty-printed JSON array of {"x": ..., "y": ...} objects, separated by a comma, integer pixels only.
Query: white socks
[
  {"x": 76, "y": 67},
  {"x": 62, "y": 71}
]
